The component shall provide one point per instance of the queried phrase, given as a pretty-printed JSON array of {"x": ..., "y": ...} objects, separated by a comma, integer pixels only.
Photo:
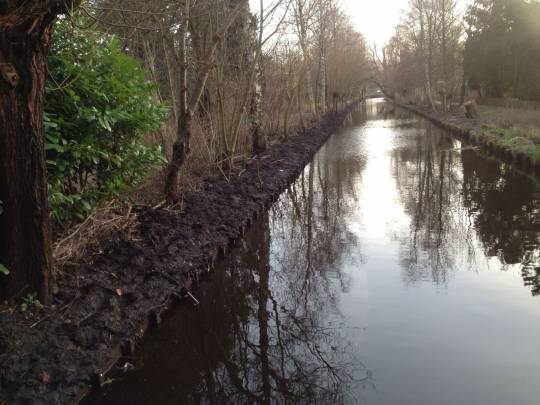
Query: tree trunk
[
  {"x": 299, "y": 103},
  {"x": 302, "y": 36},
  {"x": 323, "y": 83},
  {"x": 257, "y": 135},
  {"x": 444, "y": 44},
  {"x": 425, "y": 60},
  {"x": 322, "y": 61},
  {"x": 290, "y": 99},
  {"x": 181, "y": 146},
  {"x": 181, "y": 151},
  {"x": 25, "y": 241}
]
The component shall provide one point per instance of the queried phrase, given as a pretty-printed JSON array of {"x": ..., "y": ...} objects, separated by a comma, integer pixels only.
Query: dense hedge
[{"x": 98, "y": 107}]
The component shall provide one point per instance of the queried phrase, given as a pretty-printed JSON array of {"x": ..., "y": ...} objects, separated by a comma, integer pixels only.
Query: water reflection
[
  {"x": 504, "y": 206},
  {"x": 428, "y": 180},
  {"x": 454, "y": 195}
]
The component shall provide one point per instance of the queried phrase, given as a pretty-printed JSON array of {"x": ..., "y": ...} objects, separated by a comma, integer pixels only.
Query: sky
[{"x": 375, "y": 19}]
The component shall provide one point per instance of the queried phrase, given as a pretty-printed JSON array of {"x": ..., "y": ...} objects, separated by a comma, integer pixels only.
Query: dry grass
[
  {"x": 510, "y": 103},
  {"x": 515, "y": 128},
  {"x": 504, "y": 117},
  {"x": 113, "y": 220}
]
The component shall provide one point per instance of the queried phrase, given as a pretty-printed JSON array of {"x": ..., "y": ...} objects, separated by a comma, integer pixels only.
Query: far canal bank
[{"x": 517, "y": 151}]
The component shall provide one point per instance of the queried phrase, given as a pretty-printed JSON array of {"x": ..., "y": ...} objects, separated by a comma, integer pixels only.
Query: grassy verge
[{"x": 515, "y": 129}]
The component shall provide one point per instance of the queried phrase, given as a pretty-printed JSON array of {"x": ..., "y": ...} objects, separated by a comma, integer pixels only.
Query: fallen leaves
[{"x": 45, "y": 377}]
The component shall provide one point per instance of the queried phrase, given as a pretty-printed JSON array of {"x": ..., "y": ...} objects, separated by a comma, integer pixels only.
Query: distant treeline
[
  {"x": 502, "y": 51},
  {"x": 442, "y": 54}
]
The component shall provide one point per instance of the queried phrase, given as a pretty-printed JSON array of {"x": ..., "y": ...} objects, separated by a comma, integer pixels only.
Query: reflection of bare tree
[
  {"x": 310, "y": 238},
  {"x": 283, "y": 352},
  {"x": 428, "y": 182},
  {"x": 448, "y": 209},
  {"x": 309, "y": 226},
  {"x": 530, "y": 270},
  {"x": 505, "y": 208}
]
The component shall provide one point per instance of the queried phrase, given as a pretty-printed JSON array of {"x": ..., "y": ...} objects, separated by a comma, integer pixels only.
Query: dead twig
[
  {"x": 159, "y": 205},
  {"x": 65, "y": 307},
  {"x": 193, "y": 298}
]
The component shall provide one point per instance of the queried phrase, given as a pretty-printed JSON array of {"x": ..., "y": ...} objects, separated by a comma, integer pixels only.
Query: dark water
[{"x": 399, "y": 269}]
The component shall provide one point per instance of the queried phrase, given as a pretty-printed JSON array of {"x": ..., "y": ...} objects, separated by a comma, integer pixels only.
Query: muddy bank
[
  {"x": 102, "y": 309},
  {"x": 474, "y": 132}
]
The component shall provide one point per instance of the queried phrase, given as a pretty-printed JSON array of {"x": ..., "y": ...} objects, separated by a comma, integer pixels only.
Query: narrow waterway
[{"x": 400, "y": 268}]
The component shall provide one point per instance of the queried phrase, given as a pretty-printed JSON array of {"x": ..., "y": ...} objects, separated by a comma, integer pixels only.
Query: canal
[{"x": 401, "y": 268}]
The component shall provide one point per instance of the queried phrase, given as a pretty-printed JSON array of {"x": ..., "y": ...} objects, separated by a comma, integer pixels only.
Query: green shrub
[{"x": 98, "y": 107}]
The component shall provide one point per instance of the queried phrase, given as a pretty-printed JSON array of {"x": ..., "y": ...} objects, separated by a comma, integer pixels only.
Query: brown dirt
[{"x": 101, "y": 309}]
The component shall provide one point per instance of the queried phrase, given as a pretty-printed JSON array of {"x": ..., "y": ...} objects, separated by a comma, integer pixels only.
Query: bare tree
[
  {"x": 181, "y": 148},
  {"x": 303, "y": 16}
]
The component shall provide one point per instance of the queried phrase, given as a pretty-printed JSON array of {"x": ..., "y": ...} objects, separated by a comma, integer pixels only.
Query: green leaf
[
  {"x": 4, "y": 270},
  {"x": 54, "y": 146}
]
